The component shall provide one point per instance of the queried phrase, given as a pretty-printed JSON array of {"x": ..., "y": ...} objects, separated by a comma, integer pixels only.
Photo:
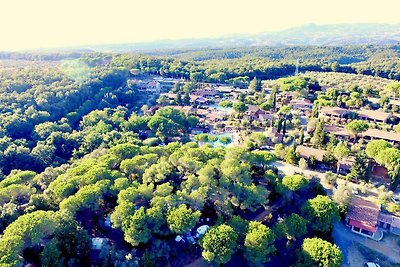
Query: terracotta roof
[
  {"x": 363, "y": 211},
  {"x": 300, "y": 101},
  {"x": 375, "y": 133},
  {"x": 374, "y": 114},
  {"x": 362, "y": 225},
  {"x": 185, "y": 109},
  {"x": 170, "y": 95},
  {"x": 201, "y": 100},
  {"x": 251, "y": 109},
  {"x": 265, "y": 116},
  {"x": 307, "y": 152},
  {"x": 206, "y": 91},
  {"x": 334, "y": 111},
  {"x": 153, "y": 83},
  {"x": 193, "y": 97},
  {"x": 273, "y": 133},
  {"x": 201, "y": 111},
  {"x": 336, "y": 130},
  {"x": 214, "y": 116}
]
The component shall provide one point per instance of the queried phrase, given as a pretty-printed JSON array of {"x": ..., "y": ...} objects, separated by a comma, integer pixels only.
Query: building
[
  {"x": 372, "y": 134},
  {"x": 374, "y": 115},
  {"x": 252, "y": 112},
  {"x": 301, "y": 104},
  {"x": 199, "y": 130},
  {"x": 380, "y": 172},
  {"x": 362, "y": 218},
  {"x": 209, "y": 93},
  {"x": 266, "y": 117},
  {"x": 333, "y": 112},
  {"x": 214, "y": 118},
  {"x": 339, "y": 132},
  {"x": 308, "y": 152},
  {"x": 389, "y": 223},
  {"x": 365, "y": 218},
  {"x": 170, "y": 97},
  {"x": 188, "y": 110},
  {"x": 153, "y": 87},
  {"x": 274, "y": 136}
]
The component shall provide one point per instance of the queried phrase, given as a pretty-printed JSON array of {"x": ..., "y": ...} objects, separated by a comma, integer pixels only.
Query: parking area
[{"x": 358, "y": 249}]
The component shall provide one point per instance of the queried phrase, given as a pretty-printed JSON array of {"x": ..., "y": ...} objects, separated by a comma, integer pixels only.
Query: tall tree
[
  {"x": 375, "y": 146},
  {"x": 319, "y": 136},
  {"x": 258, "y": 244},
  {"x": 180, "y": 220},
  {"x": 356, "y": 127},
  {"x": 320, "y": 253},
  {"x": 341, "y": 151},
  {"x": 360, "y": 170},
  {"x": 219, "y": 244},
  {"x": 322, "y": 212},
  {"x": 255, "y": 85},
  {"x": 295, "y": 225}
]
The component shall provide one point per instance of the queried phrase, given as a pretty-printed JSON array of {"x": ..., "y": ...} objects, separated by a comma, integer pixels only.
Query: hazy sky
[{"x": 26, "y": 24}]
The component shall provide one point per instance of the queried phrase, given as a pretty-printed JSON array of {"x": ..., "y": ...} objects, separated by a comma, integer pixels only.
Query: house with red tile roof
[{"x": 362, "y": 218}]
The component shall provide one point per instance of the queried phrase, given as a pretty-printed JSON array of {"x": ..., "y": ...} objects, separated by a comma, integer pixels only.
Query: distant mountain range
[{"x": 310, "y": 34}]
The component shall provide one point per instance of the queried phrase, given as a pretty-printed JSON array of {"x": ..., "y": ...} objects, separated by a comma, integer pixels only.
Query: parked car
[
  {"x": 396, "y": 199},
  {"x": 371, "y": 264},
  {"x": 354, "y": 189}
]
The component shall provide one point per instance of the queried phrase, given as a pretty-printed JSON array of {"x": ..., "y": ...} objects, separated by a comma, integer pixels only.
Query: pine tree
[
  {"x": 360, "y": 169},
  {"x": 255, "y": 85},
  {"x": 186, "y": 98},
  {"x": 272, "y": 97},
  {"x": 291, "y": 155},
  {"x": 279, "y": 125},
  {"x": 178, "y": 99},
  {"x": 301, "y": 137},
  {"x": 319, "y": 134},
  {"x": 315, "y": 111}
]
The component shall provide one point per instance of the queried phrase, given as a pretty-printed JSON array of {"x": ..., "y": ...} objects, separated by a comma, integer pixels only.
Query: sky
[{"x": 31, "y": 24}]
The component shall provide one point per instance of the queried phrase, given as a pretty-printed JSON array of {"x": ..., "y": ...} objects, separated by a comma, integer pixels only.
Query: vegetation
[
  {"x": 318, "y": 252},
  {"x": 86, "y": 155}
]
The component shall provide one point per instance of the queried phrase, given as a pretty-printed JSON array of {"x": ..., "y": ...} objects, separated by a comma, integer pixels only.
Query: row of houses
[
  {"x": 363, "y": 114},
  {"x": 370, "y": 134},
  {"x": 377, "y": 171},
  {"x": 213, "y": 115}
]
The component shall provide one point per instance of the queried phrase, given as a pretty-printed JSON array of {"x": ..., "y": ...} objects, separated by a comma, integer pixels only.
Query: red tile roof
[
  {"x": 364, "y": 212},
  {"x": 307, "y": 152},
  {"x": 334, "y": 111},
  {"x": 336, "y": 130}
]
